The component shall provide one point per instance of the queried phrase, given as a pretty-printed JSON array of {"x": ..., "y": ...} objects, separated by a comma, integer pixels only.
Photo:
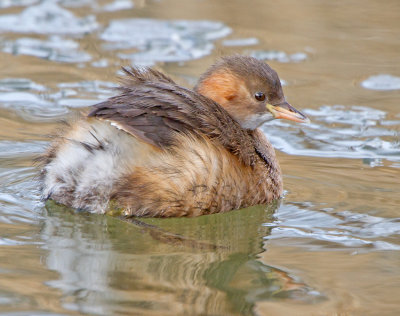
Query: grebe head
[{"x": 249, "y": 90}]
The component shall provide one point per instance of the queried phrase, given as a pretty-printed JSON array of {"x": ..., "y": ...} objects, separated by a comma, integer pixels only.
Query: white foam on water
[
  {"x": 162, "y": 40},
  {"x": 118, "y": 5},
  {"x": 344, "y": 230},
  {"x": 16, "y": 3},
  {"x": 338, "y": 132},
  {"x": 240, "y": 42},
  {"x": 279, "y": 56},
  {"x": 55, "y": 48},
  {"x": 47, "y": 18},
  {"x": 382, "y": 82}
]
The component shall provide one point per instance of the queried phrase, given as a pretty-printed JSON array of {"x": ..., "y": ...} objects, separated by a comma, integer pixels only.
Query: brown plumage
[{"x": 158, "y": 149}]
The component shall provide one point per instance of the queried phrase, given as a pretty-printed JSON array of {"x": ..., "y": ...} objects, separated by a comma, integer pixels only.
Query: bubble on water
[
  {"x": 382, "y": 82},
  {"x": 338, "y": 131},
  {"x": 47, "y": 18},
  {"x": 241, "y": 42},
  {"x": 279, "y": 56},
  {"x": 160, "y": 40},
  {"x": 55, "y": 48}
]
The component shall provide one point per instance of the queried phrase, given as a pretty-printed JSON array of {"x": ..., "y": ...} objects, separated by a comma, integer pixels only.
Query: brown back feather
[{"x": 153, "y": 107}]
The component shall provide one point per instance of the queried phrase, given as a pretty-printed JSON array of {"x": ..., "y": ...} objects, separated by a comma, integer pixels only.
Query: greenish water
[{"x": 203, "y": 264}]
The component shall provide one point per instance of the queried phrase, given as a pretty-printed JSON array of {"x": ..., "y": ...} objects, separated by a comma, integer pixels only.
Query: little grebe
[{"x": 158, "y": 149}]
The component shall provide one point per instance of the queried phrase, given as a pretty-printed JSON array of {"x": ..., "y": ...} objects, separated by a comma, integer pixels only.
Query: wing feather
[{"x": 153, "y": 107}]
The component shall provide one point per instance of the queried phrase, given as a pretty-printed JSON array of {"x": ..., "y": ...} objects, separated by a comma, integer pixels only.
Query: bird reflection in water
[{"x": 203, "y": 265}]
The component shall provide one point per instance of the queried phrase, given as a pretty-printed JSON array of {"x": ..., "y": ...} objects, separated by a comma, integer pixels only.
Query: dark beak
[{"x": 285, "y": 111}]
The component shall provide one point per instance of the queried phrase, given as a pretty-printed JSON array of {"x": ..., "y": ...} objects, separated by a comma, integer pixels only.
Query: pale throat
[{"x": 254, "y": 121}]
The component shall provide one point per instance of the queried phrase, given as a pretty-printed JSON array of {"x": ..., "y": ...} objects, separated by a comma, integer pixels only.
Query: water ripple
[
  {"x": 341, "y": 229},
  {"x": 35, "y": 103},
  {"x": 47, "y": 18},
  {"x": 55, "y": 48},
  {"x": 19, "y": 84},
  {"x": 31, "y": 107},
  {"x": 16, "y": 3},
  {"x": 339, "y": 131},
  {"x": 279, "y": 56},
  {"x": 13, "y": 149},
  {"x": 93, "y": 89},
  {"x": 19, "y": 195},
  {"x": 159, "y": 40}
]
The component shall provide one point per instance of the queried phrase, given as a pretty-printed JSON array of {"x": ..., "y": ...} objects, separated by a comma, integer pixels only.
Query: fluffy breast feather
[{"x": 194, "y": 177}]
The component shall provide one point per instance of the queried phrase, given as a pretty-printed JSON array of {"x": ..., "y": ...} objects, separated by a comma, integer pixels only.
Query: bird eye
[{"x": 260, "y": 96}]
